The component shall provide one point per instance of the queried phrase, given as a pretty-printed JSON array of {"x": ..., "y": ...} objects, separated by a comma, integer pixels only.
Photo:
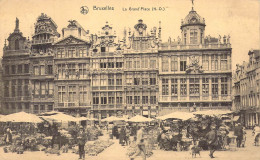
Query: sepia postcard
[{"x": 129, "y": 79}]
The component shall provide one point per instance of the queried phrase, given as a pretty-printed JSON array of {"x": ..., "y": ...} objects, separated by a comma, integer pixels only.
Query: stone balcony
[{"x": 197, "y": 46}]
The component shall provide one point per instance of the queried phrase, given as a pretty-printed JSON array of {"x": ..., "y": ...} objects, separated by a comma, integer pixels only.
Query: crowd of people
[{"x": 206, "y": 133}]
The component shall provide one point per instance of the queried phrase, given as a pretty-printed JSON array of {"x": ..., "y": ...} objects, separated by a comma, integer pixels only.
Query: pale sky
[{"x": 237, "y": 18}]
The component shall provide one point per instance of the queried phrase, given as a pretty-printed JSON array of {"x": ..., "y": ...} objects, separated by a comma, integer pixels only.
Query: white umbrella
[
  {"x": 213, "y": 112},
  {"x": 139, "y": 118},
  {"x": 82, "y": 118},
  {"x": 177, "y": 115},
  {"x": 60, "y": 117},
  {"x": 112, "y": 118},
  {"x": 21, "y": 117}
]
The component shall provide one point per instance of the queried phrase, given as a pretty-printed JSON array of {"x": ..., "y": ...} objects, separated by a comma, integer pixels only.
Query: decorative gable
[{"x": 71, "y": 40}]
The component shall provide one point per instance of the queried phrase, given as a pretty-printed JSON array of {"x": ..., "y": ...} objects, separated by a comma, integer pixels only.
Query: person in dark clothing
[
  {"x": 82, "y": 138},
  {"x": 212, "y": 139},
  {"x": 116, "y": 132},
  {"x": 122, "y": 136},
  {"x": 239, "y": 133}
]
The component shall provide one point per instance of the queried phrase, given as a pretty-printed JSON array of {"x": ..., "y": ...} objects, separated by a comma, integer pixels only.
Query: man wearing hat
[
  {"x": 212, "y": 139},
  {"x": 82, "y": 138},
  {"x": 239, "y": 133}
]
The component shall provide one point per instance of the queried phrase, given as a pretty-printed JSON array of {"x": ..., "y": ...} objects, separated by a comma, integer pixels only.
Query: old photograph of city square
[{"x": 129, "y": 79}]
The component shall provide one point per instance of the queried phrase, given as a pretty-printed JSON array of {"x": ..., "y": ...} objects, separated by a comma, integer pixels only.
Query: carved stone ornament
[{"x": 194, "y": 66}]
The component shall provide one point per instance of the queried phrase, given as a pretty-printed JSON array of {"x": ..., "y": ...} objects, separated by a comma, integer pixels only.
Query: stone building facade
[
  {"x": 246, "y": 89},
  {"x": 16, "y": 73},
  {"x": 195, "y": 72},
  {"x": 100, "y": 75}
]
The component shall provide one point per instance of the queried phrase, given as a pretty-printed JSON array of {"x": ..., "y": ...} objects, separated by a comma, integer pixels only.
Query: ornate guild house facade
[{"x": 97, "y": 75}]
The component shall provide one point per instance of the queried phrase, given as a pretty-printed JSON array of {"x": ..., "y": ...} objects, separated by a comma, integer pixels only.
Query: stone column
[{"x": 210, "y": 88}]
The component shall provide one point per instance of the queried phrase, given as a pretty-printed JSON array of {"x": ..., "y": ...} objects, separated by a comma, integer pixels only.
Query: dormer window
[
  {"x": 106, "y": 33},
  {"x": 16, "y": 44},
  {"x": 103, "y": 49}
]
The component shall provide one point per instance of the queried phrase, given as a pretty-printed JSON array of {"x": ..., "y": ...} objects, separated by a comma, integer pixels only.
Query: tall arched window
[{"x": 16, "y": 44}]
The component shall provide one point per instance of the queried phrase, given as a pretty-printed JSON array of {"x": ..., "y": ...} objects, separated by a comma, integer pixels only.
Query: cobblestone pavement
[{"x": 117, "y": 152}]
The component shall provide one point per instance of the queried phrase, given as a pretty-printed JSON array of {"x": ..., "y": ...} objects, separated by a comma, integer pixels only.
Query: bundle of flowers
[{"x": 97, "y": 147}]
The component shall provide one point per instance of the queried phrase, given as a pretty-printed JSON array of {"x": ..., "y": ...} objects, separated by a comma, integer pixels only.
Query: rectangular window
[
  {"x": 129, "y": 63},
  {"x": 71, "y": 52},
  {"x": 153, "y": 62},
  {"x": 145, "y": 62},
  {"x": 110, "y": 63},
  {"x": 129, "y": 99},
  {"x": 174, "y": 63},
  {"x": 42, "y": 70},
  {"x": 193, "y": 36},
  {"x": 136, "y": 62},
  {"x": 103, "y": 97},
  {"x": 82, "y": 52},
  {"x": 82, "y": 95},
  {"x": 194, "y": 87},
  {"x": 153, "y": 99},
  {"x": 95, "y": 98},
  {"x": 153, "y": 79},
  {"x": 205, "y": 62},
  {"x": 118, "y": 79},
  {"x": 20, "y": 69},
  {"x": 144, "y": 99},
  {"x": 224, "y": 86},
  {"x": 165, "y": 64},
  {"x": 13, "y": 69},
  {"x": 205, "y": 87},
  {"x": 26, "y": 68},
  {"x": 119, "y": 64},
  {"x": 144, "y": 81},
  {"x": 214, "y": 62},
  {"x": 136, "y": 81},
  {"x": 72, "y": 93},
  {"x": 183, "y": 86},
  {"x": 61, "y": 94},
  {"x": 137, "y": 99},
  {"x": 103, "y": 80},
  {"x": 111, "y": 80},
  {"x": 119, "y": 97},
  {"x": 13, "y": 88},
  {"x": 19, "y": 87},
  {"x": 36, "y": 88},
  {"x": 183, "y": 63},
  {"x": 71, "y": 71},
  {"x": 50, "y": 88},
  {"x": 6, "y": 88},
  {"x": 215, "y": 86},
  {"x": 95, "y": 80},
  {"x": 165, "y": 87},
  {"x": 95, "y": 63},
  {"x": 111, "y": 97},
  {"x": 82, "y": 70},
  {"x": 174, "y": 87},
  {"x": 43, "y": 89},
  {"x": 60, "y": 53},
  {"x": 61, "y": 71},
  {"x": 103, "y": 49},
  {"x": 7, "y": 70},
  {"x": 129, "y": 79},
  {"x": 223, "y": 62},
  {"x": 50, "y": 69}
]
